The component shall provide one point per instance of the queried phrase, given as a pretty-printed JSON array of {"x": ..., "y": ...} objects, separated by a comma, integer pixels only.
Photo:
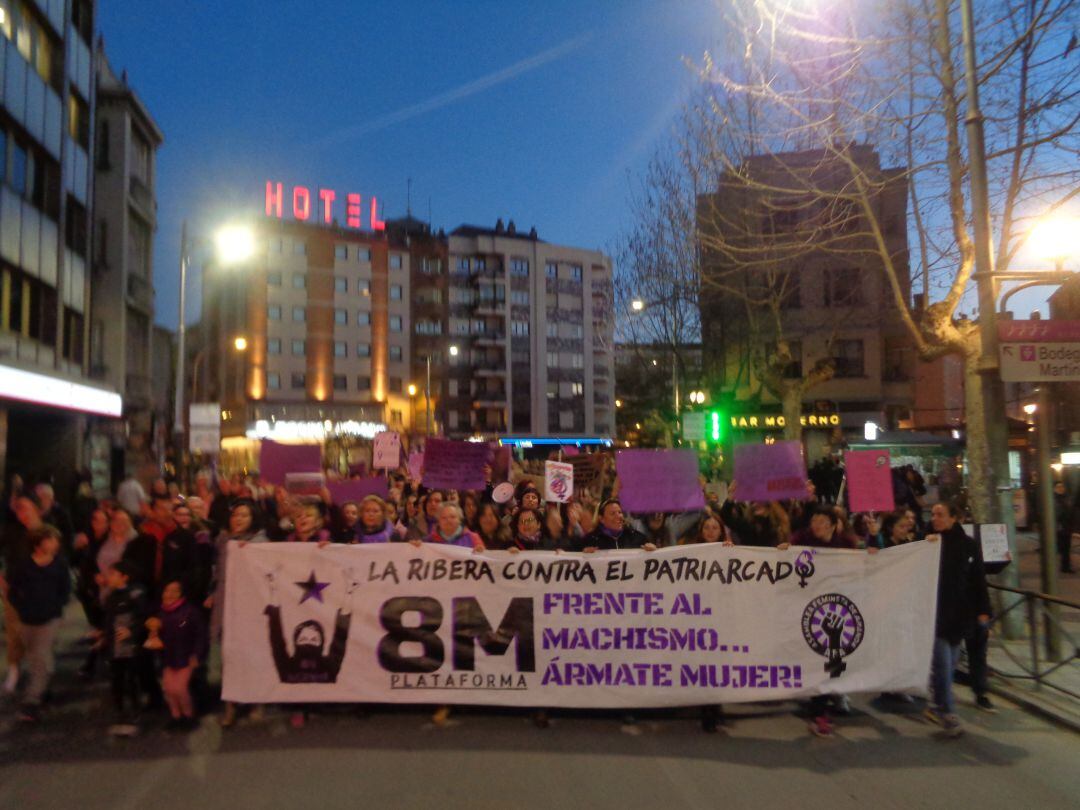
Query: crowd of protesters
[{"x": 149, "y": 570}]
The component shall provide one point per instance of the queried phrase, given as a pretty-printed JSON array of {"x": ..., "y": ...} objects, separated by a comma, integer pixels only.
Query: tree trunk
[
  {"x": 979, "y": 478},
  {"x": 791, "y": 404}
]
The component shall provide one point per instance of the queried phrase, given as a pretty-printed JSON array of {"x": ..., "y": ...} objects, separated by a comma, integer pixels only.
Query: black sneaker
[
  {"x": 983, "y": 702},
  {"x": 28, "y": 713}
]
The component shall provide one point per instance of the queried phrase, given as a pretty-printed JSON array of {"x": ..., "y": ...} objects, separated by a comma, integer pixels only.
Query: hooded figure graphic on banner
[{"x": 310, "y": 662}]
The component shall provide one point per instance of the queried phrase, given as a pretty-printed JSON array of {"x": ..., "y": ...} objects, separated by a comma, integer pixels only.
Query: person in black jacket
[
  {"x": 39, "y": 588},
  {"x": 122, "y": 639},
  {"x": 963, "y": 603},
  {"x": 174, "y": 558},
  {"x": 612, "y": 531}
]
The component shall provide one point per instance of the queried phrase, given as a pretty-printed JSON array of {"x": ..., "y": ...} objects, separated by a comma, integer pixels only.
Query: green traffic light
[{"x": 716, "y": 426}]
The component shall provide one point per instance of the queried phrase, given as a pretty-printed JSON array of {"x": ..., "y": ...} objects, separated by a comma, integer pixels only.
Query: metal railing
[{"x": 1050, "y": 647}]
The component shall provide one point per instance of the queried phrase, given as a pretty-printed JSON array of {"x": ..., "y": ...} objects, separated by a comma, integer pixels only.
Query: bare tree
[{"x": 831, "y": 79}]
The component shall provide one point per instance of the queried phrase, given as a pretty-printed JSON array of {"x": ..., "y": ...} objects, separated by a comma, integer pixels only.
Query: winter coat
[
  {"x": 962, "y": 591},
  {"x": 125, "y": 608},
  {"x": 39, "y": 592},
  {"x": 464, "y": 539},
  {"x": 805, "y": 537},
  {"x": 183, "y": 633},
  {"x": 604, "y": 540}
]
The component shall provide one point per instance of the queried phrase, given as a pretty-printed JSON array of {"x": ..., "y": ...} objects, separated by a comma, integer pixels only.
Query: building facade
[
  {"x": 122, "y": 307},
  {"x": 835, "y": 301},
  {"x": 343, "y": 331},
  {"x": 47, "y": 102}
]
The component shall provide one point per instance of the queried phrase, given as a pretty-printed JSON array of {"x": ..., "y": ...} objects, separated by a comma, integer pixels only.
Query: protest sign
[
  {"x": 455, "y": 465},
  {"x": 416, "y": 465},
  {"x": 587, "y": 469},
  {"x": 676, "y": 627},
  {"x": 304, "y": 483},
  {"x": 356, "y": 489},
  {"x": 869, "y": 481},
  {"x": 277, "y": 459},
  {"x": 386, "y": 450},
  {"x": 659, "y": 481},
  {"x": 558, "y": 481},
  {"x": 994, "y": 540},
  {"x": 770, "y": 472}
]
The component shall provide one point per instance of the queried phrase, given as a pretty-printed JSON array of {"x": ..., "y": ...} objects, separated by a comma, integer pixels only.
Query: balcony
[
  {"x": 143, "y": 199},
  {"x": 140, "y": 294},
  {"x": 491, "y": 309},
  {"x": 489, "y": 339},
  {"x": 489, "y": 369}
]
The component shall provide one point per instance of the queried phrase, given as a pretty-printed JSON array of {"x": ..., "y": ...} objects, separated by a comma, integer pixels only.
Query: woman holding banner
[
  {"x": 372, "y": 525},
  {"x": 612, "y": 532},
  {"x": 493, "y": 534}
]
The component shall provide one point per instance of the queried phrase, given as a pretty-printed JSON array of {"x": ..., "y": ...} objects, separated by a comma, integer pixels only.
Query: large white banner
[{"x": 679, "y": 626}]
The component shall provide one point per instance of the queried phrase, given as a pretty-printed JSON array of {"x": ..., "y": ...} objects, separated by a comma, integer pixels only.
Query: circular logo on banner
[
  {"x": 502, "y": 493},
  {"x": 833, "y": 626}
]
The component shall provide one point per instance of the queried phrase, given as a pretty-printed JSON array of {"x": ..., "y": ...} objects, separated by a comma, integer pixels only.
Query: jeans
[
  {"x": 38, "y": 640},
  {"x": 942, "y": 669}
]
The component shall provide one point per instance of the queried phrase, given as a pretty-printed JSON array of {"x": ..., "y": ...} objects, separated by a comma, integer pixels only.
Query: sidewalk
[{"x": 1014, "y": 657}]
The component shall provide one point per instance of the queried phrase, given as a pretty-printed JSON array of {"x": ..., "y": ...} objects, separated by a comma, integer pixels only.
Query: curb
[{"x": 1041, "y": 708}]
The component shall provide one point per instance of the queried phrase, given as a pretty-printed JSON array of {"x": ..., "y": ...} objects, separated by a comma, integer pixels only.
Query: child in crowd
[
  {"x": 122, "y": 638},
  {"x": 39, "y": 588},
  {"x": 185, "y": 647}
]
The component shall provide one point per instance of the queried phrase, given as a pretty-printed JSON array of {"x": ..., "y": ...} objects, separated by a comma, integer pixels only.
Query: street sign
[
  {"x": 693, "y": 426},
  {"x": 1039, "y": 351},
  {"x": 204, "y": 427}
]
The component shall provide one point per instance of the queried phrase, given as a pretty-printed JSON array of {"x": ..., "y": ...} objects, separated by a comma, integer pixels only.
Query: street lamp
[
  {"x": 637, "y": 305},
  {"x": 233, "y": 244},
  {"x": 453, "y": 351},
  {"x": 240, "y": 343},
  {"x": 412, "y": 390},
  {"x": 1056, "y": 239}
]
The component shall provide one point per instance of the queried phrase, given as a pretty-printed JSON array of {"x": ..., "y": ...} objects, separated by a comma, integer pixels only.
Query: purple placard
[
  {"x": 277, "y": 459},
  {"x": 455, "y": 465},
  {"x": 356, "y": 489},
  {"x": 869, "y": 481},
  {"x": 416, "y": 465},
  {"x": 659, "y": 481},
  {"x": 770, "y": 472}
]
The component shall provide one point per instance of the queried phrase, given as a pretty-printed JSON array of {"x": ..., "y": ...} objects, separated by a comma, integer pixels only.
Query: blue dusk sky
[{"x": 532, "y": 111}]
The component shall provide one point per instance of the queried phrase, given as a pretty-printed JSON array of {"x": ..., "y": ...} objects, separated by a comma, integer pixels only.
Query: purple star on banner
[{"x": 312, "y": 588}]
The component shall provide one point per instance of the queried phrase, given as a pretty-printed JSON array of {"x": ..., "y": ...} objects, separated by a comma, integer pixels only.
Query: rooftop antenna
[{"x": 408, "y": 197}]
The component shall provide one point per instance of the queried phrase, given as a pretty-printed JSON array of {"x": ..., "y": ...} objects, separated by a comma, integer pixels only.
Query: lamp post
[{"x": 233, "y": 244}]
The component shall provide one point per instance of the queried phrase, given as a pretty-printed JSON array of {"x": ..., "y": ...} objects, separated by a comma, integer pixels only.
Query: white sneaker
[
  {"x": 11, "y": 681},
  {"x": 953, "y": 726}
]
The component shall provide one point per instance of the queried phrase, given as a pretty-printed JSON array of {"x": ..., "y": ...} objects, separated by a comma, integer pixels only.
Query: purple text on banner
[
  {"x": 869, "y": 481},
  {"x": 356, "y": 489},
  {"x": 277, "y": 459},
  {"x": 455, "y": 465},
  {"x": 770, "y": 472},
  {"x": 659, "y": 481}
]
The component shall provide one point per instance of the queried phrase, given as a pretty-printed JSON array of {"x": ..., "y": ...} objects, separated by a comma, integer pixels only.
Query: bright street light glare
[
  {"x": 235, "y": 244},
  {"x": 1056, "y": 238},
  {"x": 412, "y": 390},
  {"x": 1030, "y": 408},
  {"x": 453, "y": 351},
  {"x": 241, "y": 344},
  {"x": 637, "y": 305}
]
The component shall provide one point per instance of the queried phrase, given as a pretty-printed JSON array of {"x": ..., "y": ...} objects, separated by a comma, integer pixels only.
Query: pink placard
[
  {"x": 770, "y": 472},
  {"x": 275, "y": 460},
  {"x": 658, "y": 481},
  {"x": 869, "y": 481},
  {"x": 1052, "y": 331},
  {"x": 455, "y": 465}
]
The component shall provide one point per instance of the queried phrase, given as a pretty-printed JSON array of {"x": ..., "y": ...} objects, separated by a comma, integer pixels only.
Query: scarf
[{"x": 382, "y": 535}]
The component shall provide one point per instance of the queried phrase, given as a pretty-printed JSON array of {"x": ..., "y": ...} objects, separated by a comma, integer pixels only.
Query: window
[
  {"x": 298, "y": 348},
  {"x": 395, "y": 385},
  {"x": 480, "y": 264},
  {"x": 552, "y": 390},
  {"x": 341, "y": 251},
  {"x": 519, "y": 267},
  {"x": 843, "y": 287},
  {"x": 551, "y": 270},
  {"x": 575, "y": 272},
  {"x": 298, "y": 380},
  {"x": 140, "y": 156},
  {"x": 552, "y": 329},
  {"x": 299, "y": 314},
  {"x": 363, "y": 255},
  {"x": 78, "y": 120},
  {"x": 396, "y": 417},
  {"x": 273, "y": 278},
  {"x": 462, "y": 264},
  {"x": 339, "y": 383},
  {"x": 275, "y": 246},
  {"x": 363, "y": 318},
  {"x": 577, "y": 361},
  {"x": 428, "y": 327},
  {"x": 848, "y": 355},
  {"x": 395, "y": 323},
  {"x": 363, "y": 383},
  {"x": 273, "y": 312},
  {"x": 363, "y": 350},
  {"x": 299, "y": 248},
  {"x": 577, "y": 331},
  {"x": 395, "y": 292},
  {"x": 340, "y": 349},
  {"x": 519, "y": 328},
  {"x": 577, "y": 389},
  {"x": 341, "y": 316},
  {"x": 452, "y": 388},
  {"x": 299, "y": 281},
  {"x": 395, "y": 353},
  {"x": 273, "y": 346},
  {"x": 18, "y": 168},
  {"x": 520, "y": 297},
  {"x": 273, "y": 381},
  {"x": 341, "y": 284},
  {"x": 431, "y": 267},
  {"x": 552, "y": 359},
  {"x": 395, "y": 261},
  {"x": 363, "y": 286}
]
